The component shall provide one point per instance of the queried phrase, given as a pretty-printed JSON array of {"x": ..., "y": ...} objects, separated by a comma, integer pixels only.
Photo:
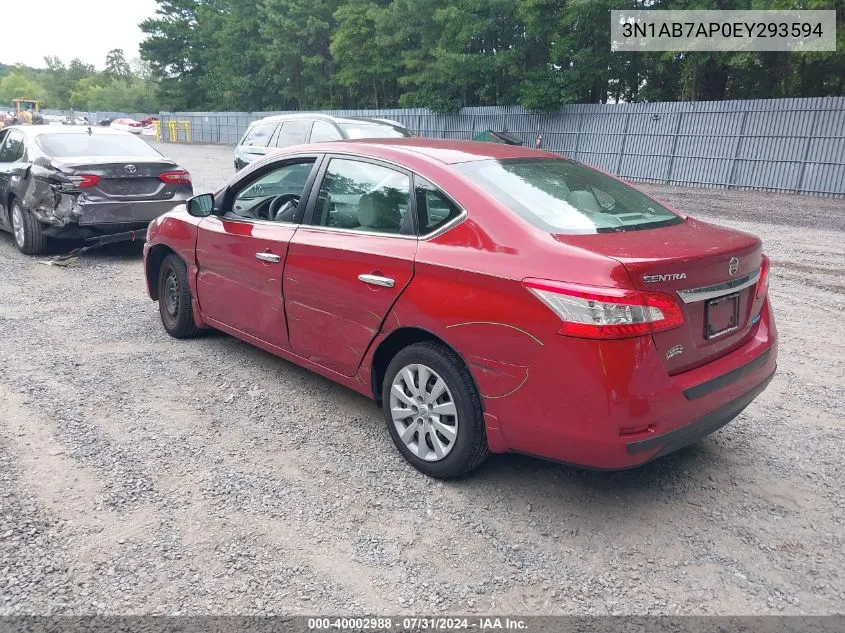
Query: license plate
[
  {"x": 130, "y": 186},
  {"x": 124, "y": 187},
  {"x": 721, "y": 315}
]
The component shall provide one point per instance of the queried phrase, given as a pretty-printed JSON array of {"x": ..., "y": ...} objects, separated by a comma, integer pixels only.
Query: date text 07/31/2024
[{"x": 417, "y": 624}]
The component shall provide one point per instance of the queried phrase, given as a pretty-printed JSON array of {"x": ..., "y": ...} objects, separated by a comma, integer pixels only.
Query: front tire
[
  {"x": 433, "y": 411},
  {"x": 174, "y": 299},
  {"x": 27, "y": 230}
]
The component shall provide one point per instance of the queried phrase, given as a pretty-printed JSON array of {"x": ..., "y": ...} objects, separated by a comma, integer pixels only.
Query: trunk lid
[
  {"x": 691, "y": 256},
  {"x": 121, "y": 178}
]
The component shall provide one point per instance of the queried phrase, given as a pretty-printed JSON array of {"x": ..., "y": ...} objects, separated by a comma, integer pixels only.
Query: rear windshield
[
  {"x": 372, "y": 130},
  {"x": 61, "y": 145},
  {"x": 562, "y": 196}
]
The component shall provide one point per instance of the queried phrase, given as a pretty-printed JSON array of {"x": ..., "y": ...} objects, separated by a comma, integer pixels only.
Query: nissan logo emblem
[
  {"x": 131, "y": 169},
  {"x": 733, "y": 265}
]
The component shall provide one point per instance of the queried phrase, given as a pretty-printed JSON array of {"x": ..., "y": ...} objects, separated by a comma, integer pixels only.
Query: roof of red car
[{"x": 444, "y": 151}]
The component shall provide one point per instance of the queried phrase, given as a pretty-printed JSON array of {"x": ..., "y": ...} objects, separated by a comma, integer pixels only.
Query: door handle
[
  {"x": 375, "y": 280},
  {"x": 268, "y": 257}
]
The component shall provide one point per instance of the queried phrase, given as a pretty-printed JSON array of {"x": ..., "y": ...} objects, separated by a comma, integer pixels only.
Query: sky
[{"x": 87, "y": 29}]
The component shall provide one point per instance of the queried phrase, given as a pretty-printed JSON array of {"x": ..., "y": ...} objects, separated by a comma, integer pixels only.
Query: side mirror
[{"x": 201, "y": 206}]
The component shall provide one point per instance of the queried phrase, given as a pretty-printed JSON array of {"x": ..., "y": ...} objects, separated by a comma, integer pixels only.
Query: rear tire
[
  {"x": 440, "y": 431},
  {"x": 174, "y": 299},
  {"x": 27, "y": 230}
]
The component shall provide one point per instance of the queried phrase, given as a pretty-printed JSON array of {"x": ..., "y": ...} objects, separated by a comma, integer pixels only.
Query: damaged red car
[
  {"x": 490, "y": 298},
  {"x": 81, "y": 182}
]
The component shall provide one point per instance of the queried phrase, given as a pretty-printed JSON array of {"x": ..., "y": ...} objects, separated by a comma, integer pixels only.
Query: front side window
[
  {"x": 563, "y": 196},
  {"x": 259, "y": 135},
  {"x": 12, "y": 147},
  {"x": 293, "y": 132},
  {"x": 433, "y": 207},
  {"x": 364, "y": 197},
  {"x": 273, "y": 195}
]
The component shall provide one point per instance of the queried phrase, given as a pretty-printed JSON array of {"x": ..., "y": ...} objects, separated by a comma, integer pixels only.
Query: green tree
[
  {"x": 368, "y": 72},
  {"x": 174, "y": 53},
  {"x": 540, "y": 88},
  {"x": 235, "y": 77},
  {"x": 116, "y": 64},
  {"x": 444, "y": 54},
  {"x": 105, "y": 92},
  {"x": 56, "y": 82},
  {"x": 78, "y": 70},
  {"x": 478, "y": 58},
  {"x": 16, "y": 85},
  {"x": 412, "y": 42},
  {"x": 298, "y": 62},
  {"x": 87, "y": 94}
]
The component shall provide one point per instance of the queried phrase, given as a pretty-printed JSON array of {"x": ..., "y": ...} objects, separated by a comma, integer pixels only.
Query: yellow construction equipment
[
  {"x": 25, "y": 105},
  {"x": 23, "y": 111}
]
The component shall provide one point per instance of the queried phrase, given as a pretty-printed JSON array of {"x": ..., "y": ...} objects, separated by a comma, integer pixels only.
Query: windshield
[
  {"x": 372, "y": 130},
  {"x": 562, "y": 196},
  {"x": 89, "y": 145}
]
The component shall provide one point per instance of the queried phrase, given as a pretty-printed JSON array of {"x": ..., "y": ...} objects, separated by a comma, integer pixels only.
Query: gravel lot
[{"x": 139, "y": 474}]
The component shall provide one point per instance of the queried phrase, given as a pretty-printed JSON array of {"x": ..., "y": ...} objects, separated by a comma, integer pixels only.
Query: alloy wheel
[{"x": 424, "y": 412}]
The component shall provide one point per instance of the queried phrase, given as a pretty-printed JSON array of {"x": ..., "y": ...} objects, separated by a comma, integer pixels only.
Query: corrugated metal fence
[{"x": 793, "y": 145}]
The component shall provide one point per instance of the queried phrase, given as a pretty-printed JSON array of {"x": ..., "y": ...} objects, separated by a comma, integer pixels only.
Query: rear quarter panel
[{"x": 467, "y": 290}]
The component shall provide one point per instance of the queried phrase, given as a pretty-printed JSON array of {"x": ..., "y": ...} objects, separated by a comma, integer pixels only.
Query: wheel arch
[
  {"x": 7, "y": 205},
  {"x": 154, "y": 259},
  {"x": 397, "y": 340}
]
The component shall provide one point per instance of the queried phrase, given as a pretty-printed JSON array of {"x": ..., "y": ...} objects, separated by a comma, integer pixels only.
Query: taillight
[
  {"x": 763, "y": 282},
  {"x": 176, "y": 177},
  {"x": 83, "y": 181},
  {"x": 607, "y": 313}
]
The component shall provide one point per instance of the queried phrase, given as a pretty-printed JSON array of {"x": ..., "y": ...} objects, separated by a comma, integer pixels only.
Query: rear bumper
[
  {"x": 703, "y": 426},
  {"x": 92, "y": 219},
  {"x": 106, "y": 213},
  {"x": 612, "y": 404}
]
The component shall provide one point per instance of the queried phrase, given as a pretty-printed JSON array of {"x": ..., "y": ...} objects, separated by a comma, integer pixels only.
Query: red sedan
[{"x": 491, "y": 298}]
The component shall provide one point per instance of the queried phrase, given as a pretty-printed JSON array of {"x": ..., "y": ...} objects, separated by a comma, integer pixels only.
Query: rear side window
[
  {"x": 323, "y": 131},
  {"x": 363, "y": 197},
  {"x": 293, "y": 132},
  {"x": 562, "y": 196},
  {"x": 60, "y": 145},
  {"x": 259, "y": 135},
  {"x": 364, "y": 129},
  {"x": 433, "y": 207},
  {"x": 12, "y": 147}
]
